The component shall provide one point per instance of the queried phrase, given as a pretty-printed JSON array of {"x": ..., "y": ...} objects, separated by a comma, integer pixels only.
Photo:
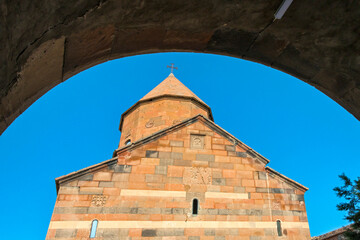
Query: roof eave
[
  {"x": 81, "y": 172},
  {"x": 288, "y": 180}
]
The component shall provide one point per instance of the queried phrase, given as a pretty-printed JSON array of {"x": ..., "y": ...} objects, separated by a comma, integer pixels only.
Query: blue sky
[{"x": 305, "y": 135}]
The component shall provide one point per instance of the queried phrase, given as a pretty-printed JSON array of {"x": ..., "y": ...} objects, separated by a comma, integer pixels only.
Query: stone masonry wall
[
  {"x": 150, "y": 117},
  {"x": 148, "y": 194}
]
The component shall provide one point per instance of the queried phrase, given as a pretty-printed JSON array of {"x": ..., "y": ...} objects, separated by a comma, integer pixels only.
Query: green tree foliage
[{"x": 350, "y": 191}]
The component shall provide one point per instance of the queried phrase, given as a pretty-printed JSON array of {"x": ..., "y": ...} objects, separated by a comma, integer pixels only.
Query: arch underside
[{"x": 47, "y": 42}]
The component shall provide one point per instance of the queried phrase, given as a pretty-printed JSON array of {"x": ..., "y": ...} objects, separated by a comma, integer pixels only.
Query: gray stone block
[
  {"x": 241, "y": 154},
  {"x": 255, "y": 212},
  {"x": 97, "y": 210},
  {"x": 65, "y": 233},
  {"x": 212, "y": 211},
  {"x": 194, "y": 238},
  {"x": 123, "y": 232},
  {"x": 277, "y": 212},
  {"x": 205, "y": 157},
  {"x": 230, "y": 148},
  {"x": 262, "y": 190},
  {"x": 122, "y": 168},
  {"x": 165, "y": 155},
  {"x": 86, "y": 177},
  {"x": 148, "y": 233},
  {"x": 106, "y": 184},
  {"x": 176, "y": 143},
  {"x": 161, "y": 170},
  {"x": 233, "y": 232},
  {"x": 262, "y": 175},
  {"x": 152, "y": 154},
  {"x": 251, "y": 153},
  {"x": 268, "y": 232},
  {"x": 176, "y": 156},
  {"x": 218, "y": 181},
  {"x": 166, "y": 162},
  {"x": 255, "y": 237},
  {"x": 134, "y": 210},
  {"x": 185, "y": 163},
  {"x": 170, "y": 232},
  {"x": 110, "y": 233},
  {"x": 177, "y": 211},
  {"x": 175, "y": 180},
  {"x": 209, "y": 232},
  {"x": 221, "y": 165},
  {"x": 223, "y": 212},
  {"x": 149, "y": 211},
  {"x": 290, "y": 191},
  {"x": 71, "y": 210},
  {"x": 296, "y": 197},
  {"x": 166, "y": 211},
  {"x": 239, "y": 189},
  {"x": 219, "y": 238},
  {"x": 277, "y": 190}
]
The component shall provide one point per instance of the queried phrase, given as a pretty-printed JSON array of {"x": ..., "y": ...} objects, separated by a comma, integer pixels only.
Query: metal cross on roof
[{"x": 172, "y": 67}]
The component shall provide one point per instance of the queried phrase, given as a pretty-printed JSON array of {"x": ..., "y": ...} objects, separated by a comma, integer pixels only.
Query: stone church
[{"x": 178, "y": 175}]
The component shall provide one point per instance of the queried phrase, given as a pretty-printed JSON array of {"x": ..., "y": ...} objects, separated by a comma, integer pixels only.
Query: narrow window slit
[
  {"x": 279, "y": 230},
  {"x": 93, "y": 228},
  {"x": 195, "y": 206}
]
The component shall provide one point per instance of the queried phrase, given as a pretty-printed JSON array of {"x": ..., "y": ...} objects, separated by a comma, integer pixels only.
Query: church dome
[{"x": 169, "y": 103}]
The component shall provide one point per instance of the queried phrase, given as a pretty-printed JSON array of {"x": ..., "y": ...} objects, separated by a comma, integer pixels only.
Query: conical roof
[{"x": 171, "y": 86}]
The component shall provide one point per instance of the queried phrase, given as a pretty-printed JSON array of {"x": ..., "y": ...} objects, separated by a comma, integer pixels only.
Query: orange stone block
[
  {"x": 143, "y": 169},
  {"x": 175, "y": 171},
  {"x": 247, "y": 183},
  {"x": 227, "y": 173},
  {"x": 102, "y": 176},
  {"x": 111, "y": 191},
  {"x": 150, "y": 161},
  {"x": 135, "y": 232}
]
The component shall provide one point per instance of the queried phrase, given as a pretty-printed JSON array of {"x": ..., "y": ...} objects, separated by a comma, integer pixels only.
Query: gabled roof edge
[
  {"x": 81, "y": 172},
  {"x": 288, "y": 180},
  {"x": 236, "y": 141},
  {"x": 165, "y": 131},
  {"x": 189, "y": 121},
  {"x": 332, "y": 233}
]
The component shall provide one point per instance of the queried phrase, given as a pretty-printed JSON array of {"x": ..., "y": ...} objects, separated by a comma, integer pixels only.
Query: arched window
[
  {"x": 195, "y": 206},
  {"x": 94, "y": 225},
  {"x": 278, "y": 226},
  {"x": 128, "y": 142}
]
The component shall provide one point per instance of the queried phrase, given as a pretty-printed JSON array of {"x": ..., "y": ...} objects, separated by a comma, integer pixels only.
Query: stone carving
[
  {"x": 276, "y": 205},
  {"x": 197, "y": 141},
  {"x": 149, "y": 124},
  {"x": 98, "y": 200},
  {"x": 197, "y": 175}
]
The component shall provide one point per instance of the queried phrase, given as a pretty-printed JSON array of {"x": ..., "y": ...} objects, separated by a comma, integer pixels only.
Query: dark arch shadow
[{"x": 49, "y": 43}]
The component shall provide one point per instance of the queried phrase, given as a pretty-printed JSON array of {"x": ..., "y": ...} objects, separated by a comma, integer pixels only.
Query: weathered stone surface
[
  {"x": 152, "y": 154},
  {"x": 205, "y": 157},
  {"x": 65, "y": 233},
  {"x": 148, "y": 233},
  {"x": 58, "y": 39},
  {"x": 163, "y": 195}
]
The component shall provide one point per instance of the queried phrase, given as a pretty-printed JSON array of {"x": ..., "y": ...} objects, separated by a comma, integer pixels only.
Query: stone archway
[{"x": 46, "y": 42}]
